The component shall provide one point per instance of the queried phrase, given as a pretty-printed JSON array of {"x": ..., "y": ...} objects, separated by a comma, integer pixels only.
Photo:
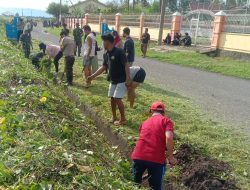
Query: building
[{"x": 87, "y": 6}]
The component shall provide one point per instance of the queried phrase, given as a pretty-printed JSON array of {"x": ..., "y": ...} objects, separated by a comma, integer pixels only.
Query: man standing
[
  {"x": 88, "y": 53},
  {"x": 77, "y": 33},
  {"x": 26, "y": 43},
  {"x": 20, "y": 27},
  {"x": 115, "y": 60},
  {"x": 145, "y": 39},
  {"x": 129, "y": 46},
  {"x": 156, "y": 136},
  {"x": 68, "y": 48},
  {"x": 65, "y": 29}
]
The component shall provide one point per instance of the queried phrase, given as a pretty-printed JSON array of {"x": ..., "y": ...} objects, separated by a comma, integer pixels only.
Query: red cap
[{"x": 157, "y": 106}]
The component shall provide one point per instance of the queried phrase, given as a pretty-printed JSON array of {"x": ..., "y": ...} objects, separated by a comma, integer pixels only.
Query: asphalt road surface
[{"x": 225, "y": 99}]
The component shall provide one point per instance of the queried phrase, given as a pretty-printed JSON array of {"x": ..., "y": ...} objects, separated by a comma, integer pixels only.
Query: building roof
[{"x": 83, "y": 2}]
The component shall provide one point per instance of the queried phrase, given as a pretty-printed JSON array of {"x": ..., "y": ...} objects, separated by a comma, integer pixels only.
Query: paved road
[{"x": 226, "y": 99}]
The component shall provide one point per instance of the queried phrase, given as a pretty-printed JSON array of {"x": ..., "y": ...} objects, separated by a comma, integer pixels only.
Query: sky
[{"x": 33, "y": 4}]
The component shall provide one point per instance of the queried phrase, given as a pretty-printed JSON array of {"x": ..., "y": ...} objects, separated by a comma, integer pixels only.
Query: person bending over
[
  {"x": 155, "y": 139},
  {"x": 137, "y": 76}
]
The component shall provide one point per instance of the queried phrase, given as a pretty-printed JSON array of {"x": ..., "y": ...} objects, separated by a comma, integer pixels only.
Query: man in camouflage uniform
[
  {"x": 26, "y": 43},
  {"x": 77, "y": 33}
]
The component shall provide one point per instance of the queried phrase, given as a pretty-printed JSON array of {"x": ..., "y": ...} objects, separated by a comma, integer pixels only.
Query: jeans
[{"x": 156, "y": 173}]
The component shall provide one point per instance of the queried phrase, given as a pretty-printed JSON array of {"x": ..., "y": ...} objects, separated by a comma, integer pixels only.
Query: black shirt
[
  {"x": 115, "y": 60},
  {"x": 129, "y": 49},
  {"x": 145, "y": 38}
]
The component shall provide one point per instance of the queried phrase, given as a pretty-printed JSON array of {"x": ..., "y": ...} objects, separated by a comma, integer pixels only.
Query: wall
[
  {"x": 95, "y": 27},
  {"x": 154, "y": 32},
  {"x": 235, "y": 42}
]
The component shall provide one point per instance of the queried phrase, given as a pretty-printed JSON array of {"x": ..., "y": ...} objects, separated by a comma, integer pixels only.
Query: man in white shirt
[{"x": 89, "y": 53}]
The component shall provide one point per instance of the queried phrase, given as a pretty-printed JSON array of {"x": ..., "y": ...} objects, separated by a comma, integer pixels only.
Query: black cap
[{"x": 108, "y": 37}]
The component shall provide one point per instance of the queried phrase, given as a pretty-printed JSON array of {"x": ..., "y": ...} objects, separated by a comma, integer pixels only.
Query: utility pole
[
  {"x": 163, "y": 10},
  {"x": 60, "y": 12}
]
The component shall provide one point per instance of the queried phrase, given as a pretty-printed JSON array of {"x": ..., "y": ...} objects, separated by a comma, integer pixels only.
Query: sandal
[
  {"x": 112, "y": 120},
  {"x": 119, "y": 123}
]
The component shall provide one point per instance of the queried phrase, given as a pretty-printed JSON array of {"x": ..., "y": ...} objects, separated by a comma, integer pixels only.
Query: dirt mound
[{"x": 203, "y": 173}]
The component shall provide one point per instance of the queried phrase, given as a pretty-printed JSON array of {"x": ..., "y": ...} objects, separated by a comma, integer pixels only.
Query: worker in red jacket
[{"x": 156, "y": 137}]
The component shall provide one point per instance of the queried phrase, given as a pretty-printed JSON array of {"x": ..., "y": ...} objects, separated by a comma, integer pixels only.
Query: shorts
[
  {"x": 87, "y": 61},
  {"x": 140, "y": 76},
  {"x": 117, "y": 90}
]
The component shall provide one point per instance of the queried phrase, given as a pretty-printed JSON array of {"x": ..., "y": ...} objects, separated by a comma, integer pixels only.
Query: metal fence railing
[
  {"x": 237, "y": 23},
  {"x": 130, "y": 20},
  {"x": 94, "y": 19}
]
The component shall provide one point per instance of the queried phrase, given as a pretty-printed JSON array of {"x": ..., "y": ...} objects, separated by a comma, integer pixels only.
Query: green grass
[
  {"x": 224, "y": 65},
  {"x": 191, "y": 125},
  {"x": 51, "y": 144}
]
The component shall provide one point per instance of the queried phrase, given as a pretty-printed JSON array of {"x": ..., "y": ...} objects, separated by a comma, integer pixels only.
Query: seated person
[
  {"x": 177, "y": 39},
  {"x": 167, "y": 40},
  {"x": 187, "y": 40}
]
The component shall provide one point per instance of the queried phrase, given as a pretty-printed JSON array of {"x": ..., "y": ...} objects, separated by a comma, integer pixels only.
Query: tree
[
  {"x": 54, "y": 9},
  {"x": 231, "y": 3},
  {"x": 163, "y": 10}
]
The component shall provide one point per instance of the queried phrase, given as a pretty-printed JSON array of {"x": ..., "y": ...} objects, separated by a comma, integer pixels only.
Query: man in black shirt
[
  {"x": 145, "y": 38},
  {"x": 129, "y": 46},
  {"x": 119, "y": 76}
]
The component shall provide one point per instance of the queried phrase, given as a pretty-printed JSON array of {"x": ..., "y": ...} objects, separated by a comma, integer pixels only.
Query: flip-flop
[
  {"x": 112, "y": 120},
  {"x": 119, "y": 123}
]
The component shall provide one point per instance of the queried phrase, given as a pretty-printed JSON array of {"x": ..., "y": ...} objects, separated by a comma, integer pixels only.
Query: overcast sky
[{"x": 34, "y": 4}]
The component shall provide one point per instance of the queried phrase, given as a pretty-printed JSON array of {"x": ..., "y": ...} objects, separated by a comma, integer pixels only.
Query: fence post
[
  {"x": 141, "y": 25},
  {"x": 100, "y": 23},
  {"x": 219, "y": 22},
  {"x": 176, "y": 24},
  {"x": 86, "y": 18},
  {"x": 118, "y": 22},
  {"x": 74, "y": 22}
]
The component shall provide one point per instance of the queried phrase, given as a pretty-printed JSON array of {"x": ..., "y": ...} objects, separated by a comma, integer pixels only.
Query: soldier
[
  {"x": 26, "y": 43},
  {"x": 78, "y": 33}
]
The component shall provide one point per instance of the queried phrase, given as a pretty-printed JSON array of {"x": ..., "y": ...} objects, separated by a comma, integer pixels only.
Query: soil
[{"x": 202, "y": 173}]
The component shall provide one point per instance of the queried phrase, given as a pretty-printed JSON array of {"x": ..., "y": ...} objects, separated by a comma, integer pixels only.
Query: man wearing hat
[
  {"x": 119, "y": 76},
  {"x": 78, "y": 33},
  {"x": 155, "y": 139}
]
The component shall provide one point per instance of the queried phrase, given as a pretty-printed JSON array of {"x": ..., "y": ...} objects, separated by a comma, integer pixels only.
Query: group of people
[
  {"x": 178, "y": 40},
  {"x": 156, "y": 133}
]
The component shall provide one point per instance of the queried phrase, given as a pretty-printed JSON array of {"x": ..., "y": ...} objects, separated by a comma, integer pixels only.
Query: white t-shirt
[
  {"x": 133, "y": 71},
  {"x": 86, "y": 45}
]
